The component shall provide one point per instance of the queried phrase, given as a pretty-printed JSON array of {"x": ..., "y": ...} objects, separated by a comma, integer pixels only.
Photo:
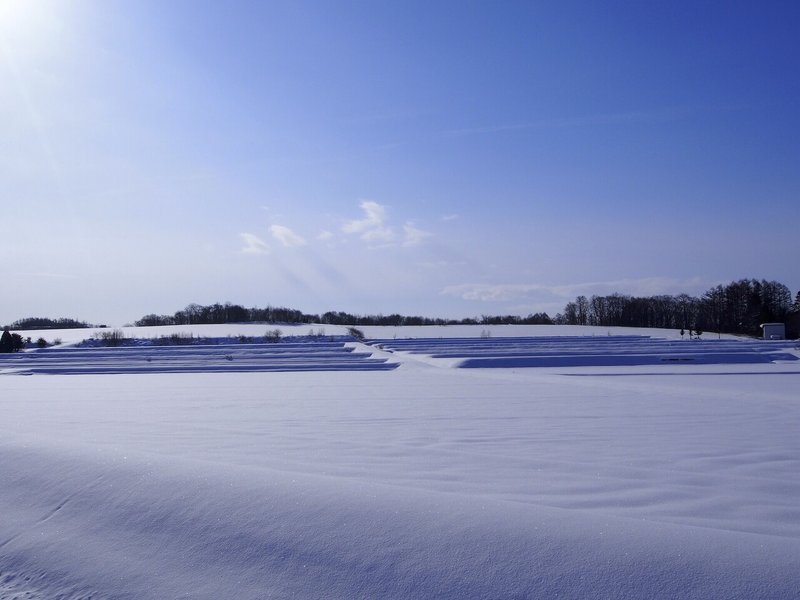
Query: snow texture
[{"x": 671, "y": 479}]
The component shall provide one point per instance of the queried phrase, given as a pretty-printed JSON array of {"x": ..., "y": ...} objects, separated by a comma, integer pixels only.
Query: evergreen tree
[
  {"x": 17, "y": 343},
  {"x": 6, "y": 341}
]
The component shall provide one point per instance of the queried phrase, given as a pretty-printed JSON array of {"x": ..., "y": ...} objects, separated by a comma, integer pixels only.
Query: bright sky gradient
[{"x": 438, "y": 158}]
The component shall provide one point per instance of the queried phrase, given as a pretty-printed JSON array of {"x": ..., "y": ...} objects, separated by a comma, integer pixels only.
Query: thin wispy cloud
[
  {"x": 414, "y": 236},
  {"x": 253, "y": 244},
  {"x": 46, "y": 275},
  {"x": 286, "y": 236},
  {"x": 642, "y": 116},
  {"x": 383, "y": 235},
  {"x": 441, "y": 264},
  {"x": 492, "y": 293},
  {"x": 372, "y": 227},
  {"x": 652, "y": 286},
  {"x": 399, "y": 115},
  {"x": 648, "y": 286}
]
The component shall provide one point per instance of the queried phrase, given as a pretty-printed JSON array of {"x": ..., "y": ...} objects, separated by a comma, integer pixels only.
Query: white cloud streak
[
  {"x": 372, "y": 228},
  {"x": 664, "y": 115},
  {"x": 286, "y": 236},
  {"x": 414, "y": 236},
  {"x": 652, "y": 286},
  {"x": 375, "y": 229},
  {"x": 253, "y": 244}
]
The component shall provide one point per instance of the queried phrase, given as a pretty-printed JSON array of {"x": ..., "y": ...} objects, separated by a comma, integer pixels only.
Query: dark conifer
[
  {"x": 6, "y": 341},
  {"x": 17, "y": 343}
]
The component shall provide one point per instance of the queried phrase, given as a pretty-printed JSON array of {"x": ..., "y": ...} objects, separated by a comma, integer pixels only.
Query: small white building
[{"x": 774, "y": 331}]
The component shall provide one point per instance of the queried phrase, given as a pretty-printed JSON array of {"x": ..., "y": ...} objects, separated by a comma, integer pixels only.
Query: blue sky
[{"x": 439, "y": 158}]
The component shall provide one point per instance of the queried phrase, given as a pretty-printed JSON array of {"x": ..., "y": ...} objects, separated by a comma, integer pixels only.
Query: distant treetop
[
  {"x": 233, "y": 313},
  {"x": 45, "y": 323},
  {"x": 739, "y": 307}
]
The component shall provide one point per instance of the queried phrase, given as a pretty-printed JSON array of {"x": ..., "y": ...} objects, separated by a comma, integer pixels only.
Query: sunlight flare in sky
[{"x": 13, "y": 11}]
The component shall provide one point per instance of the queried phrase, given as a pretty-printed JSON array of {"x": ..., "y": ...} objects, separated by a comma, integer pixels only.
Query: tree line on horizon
[
  {"x": 233, "y": 313},
  {"x": 46, "y": 323},
  {"x": 739, "y": 307}
]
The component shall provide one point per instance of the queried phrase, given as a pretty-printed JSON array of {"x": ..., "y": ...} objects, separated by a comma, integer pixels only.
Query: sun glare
[
  {"x": 28, "y": 27},
  {"x": 13, "y": 11}
]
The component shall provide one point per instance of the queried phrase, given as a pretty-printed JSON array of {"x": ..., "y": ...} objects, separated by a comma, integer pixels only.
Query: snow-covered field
[{"x": 671, "y": 477}]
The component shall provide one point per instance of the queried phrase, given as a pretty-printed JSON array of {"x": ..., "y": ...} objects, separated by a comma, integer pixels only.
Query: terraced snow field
[
  {"x": 293, "y": 355},
  {"x": 579, "y": 351}
]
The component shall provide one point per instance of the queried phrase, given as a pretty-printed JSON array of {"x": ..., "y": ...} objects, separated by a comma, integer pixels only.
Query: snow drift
[
  {"x": 132, "y": 528},
  {"x": 669, "y": 480}
]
